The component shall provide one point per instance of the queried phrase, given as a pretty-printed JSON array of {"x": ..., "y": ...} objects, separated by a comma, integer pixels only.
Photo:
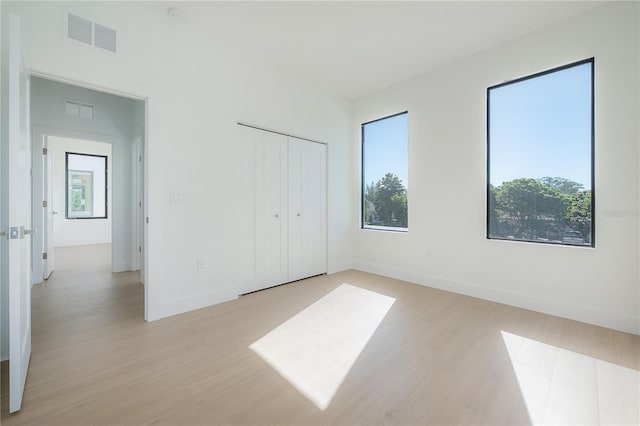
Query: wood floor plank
[{"x": 436, "y": 358}]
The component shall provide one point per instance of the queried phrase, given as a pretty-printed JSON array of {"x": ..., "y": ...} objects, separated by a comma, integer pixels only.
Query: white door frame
[
  {"x": 145, "y": 177},
  {"x": 137, "y": 172},
  {"x": 37, "y": 215},
  {"x": 48, "y": 213}
]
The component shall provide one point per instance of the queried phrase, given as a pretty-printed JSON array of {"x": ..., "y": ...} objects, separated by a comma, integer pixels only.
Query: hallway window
[{"x": 86, "y": 186}]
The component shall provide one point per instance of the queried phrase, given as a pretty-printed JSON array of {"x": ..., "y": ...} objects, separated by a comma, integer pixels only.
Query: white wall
[
  {"x": 446, "y": 245},
  {"x": 197, "y": 90},
  {"x": 71, "y": 232},
  {"x": 114, "y": 123}
]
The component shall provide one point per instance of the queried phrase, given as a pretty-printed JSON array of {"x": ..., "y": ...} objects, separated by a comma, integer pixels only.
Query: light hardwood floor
[{"x": 436, "y": 358}]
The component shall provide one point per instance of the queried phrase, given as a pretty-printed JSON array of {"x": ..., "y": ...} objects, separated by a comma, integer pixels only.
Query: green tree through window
[{"x": 386, "y": 202}]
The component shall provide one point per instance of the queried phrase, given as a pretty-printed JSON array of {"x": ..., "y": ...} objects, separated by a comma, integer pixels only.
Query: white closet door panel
[
  {"x": 314, "y": 194},
  {"x": 307, "y": 209},
  {"x": 248, "y": 165},
  {"x": 275, "y": 214},
  {"x": 296, "y": 256}
]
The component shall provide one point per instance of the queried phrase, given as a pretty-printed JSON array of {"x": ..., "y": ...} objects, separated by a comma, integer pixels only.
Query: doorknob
[
  {"x": 24, "y": 232},
  {"x": 277, "y": 215},
  {"x": 53, "y": 212}
]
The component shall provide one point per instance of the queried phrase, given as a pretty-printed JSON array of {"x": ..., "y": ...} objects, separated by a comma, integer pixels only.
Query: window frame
[
  {"x": 590, "y": 61},
  {"x": 363, "y": 184},
  {"x": 106, "y": 186}
]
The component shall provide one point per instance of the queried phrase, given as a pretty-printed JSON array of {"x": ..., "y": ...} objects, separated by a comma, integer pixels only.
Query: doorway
[
  {"x": 78, "y": 196},
  {"x": 73, "y": 127}
]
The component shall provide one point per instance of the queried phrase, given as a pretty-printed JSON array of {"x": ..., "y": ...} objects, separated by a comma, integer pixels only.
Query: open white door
[
  {"x": 50, "y": 212},
  {"x": 16, "y": 200}
]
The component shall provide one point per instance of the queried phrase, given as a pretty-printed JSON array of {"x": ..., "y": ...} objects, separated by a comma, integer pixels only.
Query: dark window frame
[
  {"x": 362, "y": 180},
  {"x": 590, "y": 61},
  {"x": 106, "y": 186}
]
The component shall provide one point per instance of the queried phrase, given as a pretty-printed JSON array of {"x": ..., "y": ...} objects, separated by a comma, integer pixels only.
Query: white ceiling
[{"x": 355, "y": 48}]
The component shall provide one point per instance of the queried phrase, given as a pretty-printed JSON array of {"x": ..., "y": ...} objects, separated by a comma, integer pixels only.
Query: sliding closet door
[
  {"x": 274, "y": 213},
  {"x": 280, "y": 209},
  {"x": 249, "y": 261},
  {"x": 261, "y": 210},
  {"x": 307, "y": 209}
]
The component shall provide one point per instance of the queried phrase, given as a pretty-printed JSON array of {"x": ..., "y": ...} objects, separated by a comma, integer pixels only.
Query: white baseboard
[
  {"x": 181, "y": 305},
  {"x": 338, "y": 267},
  {"x": 121, "y": 266},
  {"x": 81, "y": 243},
  {"x": 587, "y": 314}
]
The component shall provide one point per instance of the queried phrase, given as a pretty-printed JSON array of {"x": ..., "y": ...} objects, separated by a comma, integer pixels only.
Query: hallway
[{"x": 82, "y": 286}]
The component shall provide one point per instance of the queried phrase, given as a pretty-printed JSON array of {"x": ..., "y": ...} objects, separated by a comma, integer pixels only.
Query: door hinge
[
  {"x": 140, "y": 249},
  {"x": 44, "y": 256},
  {"x": 44, "y": 151},
  {"x": 44, "y": 203}
]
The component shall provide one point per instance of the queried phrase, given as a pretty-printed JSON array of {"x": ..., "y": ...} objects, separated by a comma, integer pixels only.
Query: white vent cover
[
  {"x": 79, "y": 29},
  {"x": 71, "y": 108},
  {"x": 86, "y": 112},
  {"x": 76, "y": 109},
  {"x": 104, "y": 37},
  {"x": 92, "y": 33}
]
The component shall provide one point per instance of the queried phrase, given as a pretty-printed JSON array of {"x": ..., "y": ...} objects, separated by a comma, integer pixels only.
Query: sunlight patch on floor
[
  {"x": 315, "y": 349},
  {"x": 560, "y": 386}
]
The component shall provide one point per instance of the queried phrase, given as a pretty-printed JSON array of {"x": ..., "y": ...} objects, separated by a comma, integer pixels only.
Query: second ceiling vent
[{"x": 88, "y": 32}]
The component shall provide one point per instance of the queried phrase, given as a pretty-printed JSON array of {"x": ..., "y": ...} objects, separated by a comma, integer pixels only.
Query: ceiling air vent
[
  {"x": 77, "y": 109},
  {"x": 92, "y": 33},
  {"x": 104, "y": 37},
  {"x": 79, "y": 29}
]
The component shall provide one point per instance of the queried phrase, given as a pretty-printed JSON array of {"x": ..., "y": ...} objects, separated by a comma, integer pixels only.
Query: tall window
[
  {"x": 540, "y": 157},
  {"x": 385, "y": 173},
  {"x": 86, "y": 186}
]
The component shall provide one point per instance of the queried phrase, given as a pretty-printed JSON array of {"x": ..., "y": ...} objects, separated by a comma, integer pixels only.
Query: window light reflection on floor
[
  {"x": 315, "y": 349},
  {"x": 560, "y": 386}
]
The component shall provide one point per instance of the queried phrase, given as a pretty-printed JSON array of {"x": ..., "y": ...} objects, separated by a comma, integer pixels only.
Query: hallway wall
[{"x": 73, "y": 232}]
